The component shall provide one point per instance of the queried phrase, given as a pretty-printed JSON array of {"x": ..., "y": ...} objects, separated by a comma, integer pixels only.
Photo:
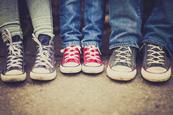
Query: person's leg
[
  {"x": 70, "y": 22},
  {"x": 41, "y": 16},
  {"x": 70, "y": 34},
  {"x": 10, "y": 17},
  {"x": 92, "y": 32},
  {"x": 125, "y": 22},
  {"x": 157, "y": 45},
  {"x": 93, "y": 22},
  {"x": 12, "y": 37},
  {"x": 167, "y": 7}
]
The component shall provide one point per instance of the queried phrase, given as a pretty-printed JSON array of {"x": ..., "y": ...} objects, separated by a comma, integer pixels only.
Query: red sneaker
[
  {"x": 92, "y": 60},
  {"x": 71, "y": 60}
]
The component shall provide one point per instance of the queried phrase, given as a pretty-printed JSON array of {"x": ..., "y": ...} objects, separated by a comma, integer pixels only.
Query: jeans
[
  {"x": 157, "y": 29},
  {"x": 71, "y": 31},
  {"x": 167, "y": 7},
  {"x": 126, "y": 21},
  {"x": 41, "y": 16}
]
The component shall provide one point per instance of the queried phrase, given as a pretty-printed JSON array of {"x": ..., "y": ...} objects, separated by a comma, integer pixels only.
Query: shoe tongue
[
  {"x": 16, "y": 38},
  {"x": 44, "y": 39}
]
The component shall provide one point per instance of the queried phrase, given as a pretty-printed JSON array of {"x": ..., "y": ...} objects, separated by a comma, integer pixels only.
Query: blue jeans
[
  {"x": 157, "y": 29},
  {"x": 167, "y": 7},
  {"x": 126, "y": 21},
  {"x": 71, "y": 31}
]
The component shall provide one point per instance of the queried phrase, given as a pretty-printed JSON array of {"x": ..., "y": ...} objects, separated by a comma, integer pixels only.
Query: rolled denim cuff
[
  {"x": 84, "y": 44},
  {"x": 71, "y": 43},
  {"x": 129, "y": 42}
]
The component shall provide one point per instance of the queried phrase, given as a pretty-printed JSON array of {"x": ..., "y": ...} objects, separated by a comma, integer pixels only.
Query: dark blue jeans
[
  {"x": 126, "y": 21},
  {"x": 71, "y": 31},
  {"x": 157, "y": 29},
  {"x": 168, "y": 9}
]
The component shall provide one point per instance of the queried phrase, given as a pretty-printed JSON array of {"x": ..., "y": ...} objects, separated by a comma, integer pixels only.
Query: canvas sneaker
[
  {"x": 122, "y": 64},
  {"x": 70, "y": 62},
  {"x": 156, "y": 63},
  {"x": 14, "y": 70},
  {"x": 92, "y": 62},
  {"x": 44, "y": 67}
]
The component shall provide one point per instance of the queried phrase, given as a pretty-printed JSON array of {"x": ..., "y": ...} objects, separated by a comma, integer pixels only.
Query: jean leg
[
  {"x": 93, "y": 22},
  {"x": 167, "y": 7},
  {"x": 70, "y": 22},
  {"x": 41, "y": 15},
  {"x": 9, "y": 13},
  {"x": 157, "y": 29},
  {"x": 125, "y": 22}
]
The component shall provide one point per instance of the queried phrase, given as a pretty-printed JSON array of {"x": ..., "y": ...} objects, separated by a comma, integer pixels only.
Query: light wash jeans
[
  {"x": 71, "y": 31},
  {"x": 125, "y": 21},
  {"x": 41, "y": 15}
]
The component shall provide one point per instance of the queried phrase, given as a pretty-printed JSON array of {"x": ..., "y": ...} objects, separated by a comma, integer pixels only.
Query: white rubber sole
[
  {"x": 13, "y": 78},
  {"x": 91, "y": 69},
  {"x": 153, "y": 77},
  {"x": 120, "y": 76},
  {"x": 66, "y": 69},
  {"x": 43, "y": 76}
]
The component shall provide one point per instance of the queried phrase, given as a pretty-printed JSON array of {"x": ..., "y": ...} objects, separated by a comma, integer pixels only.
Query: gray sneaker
[
  {"x": 122, "y": 64},
  {"x": 156, "y": 63},
  {"x": 44, "y": 67}
]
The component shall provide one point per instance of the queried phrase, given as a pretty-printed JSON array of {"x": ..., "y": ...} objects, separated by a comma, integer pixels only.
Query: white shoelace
[
  {"x": 155, "y": 56},
  {"x": 92, "y": 53},
  {"x": 43, "y": 56},
  {"x": 123, "y": 55},
  {"x": 71, "y": 53},
  {"x": 14, "y": 58}
]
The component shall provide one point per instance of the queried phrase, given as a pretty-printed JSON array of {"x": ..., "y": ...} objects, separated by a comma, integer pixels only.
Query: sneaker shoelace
[
  {"x": 71, "y": 53},
  {"x": 15, "y": 57},
  {"x": 43, "y": 55},
  {"x": 123, "y": 55},
  {"x": 155, "y": 55},
  {"x": 92, "y": 54}
]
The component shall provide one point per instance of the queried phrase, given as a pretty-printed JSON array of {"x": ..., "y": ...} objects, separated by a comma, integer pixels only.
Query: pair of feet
[
  {"x": 71, "y": 60},
  {"x": 44, "y": 66},
  {"x": 156, "y": 65}
]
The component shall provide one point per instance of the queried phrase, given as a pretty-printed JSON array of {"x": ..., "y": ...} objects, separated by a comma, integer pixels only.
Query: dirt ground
[{"x": 82, "y": 94}]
